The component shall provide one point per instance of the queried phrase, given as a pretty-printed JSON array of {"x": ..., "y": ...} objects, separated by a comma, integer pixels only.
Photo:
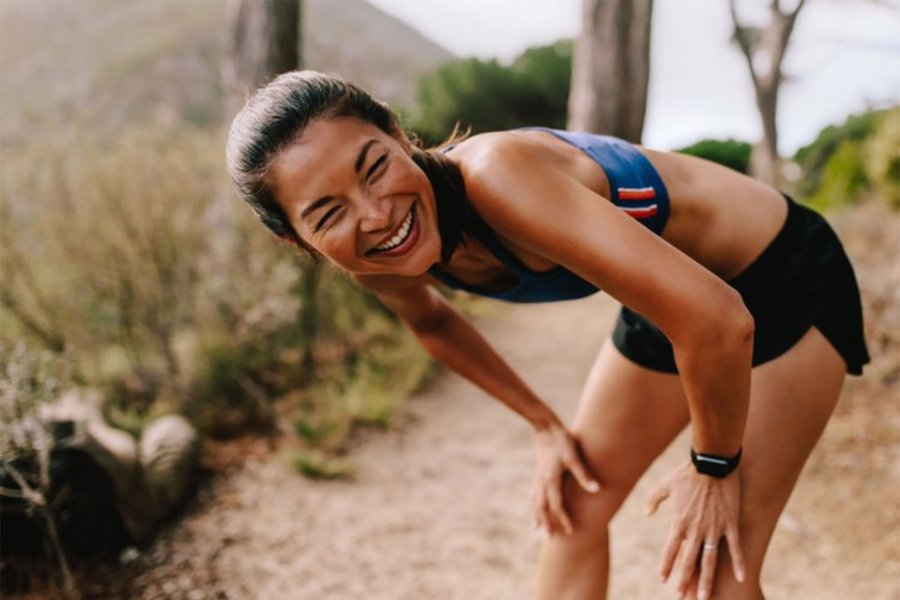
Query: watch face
[{"x": 715, "y": 466}]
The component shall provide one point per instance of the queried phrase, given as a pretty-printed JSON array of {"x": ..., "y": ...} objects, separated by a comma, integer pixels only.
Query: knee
[{"x": 592, "y": 512}]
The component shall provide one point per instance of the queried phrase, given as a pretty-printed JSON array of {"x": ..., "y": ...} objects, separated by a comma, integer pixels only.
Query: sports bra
[{"x": 635, "y": 187}]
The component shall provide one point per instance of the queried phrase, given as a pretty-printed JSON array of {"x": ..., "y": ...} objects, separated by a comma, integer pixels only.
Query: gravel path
[{"x": 440, "y": 506}]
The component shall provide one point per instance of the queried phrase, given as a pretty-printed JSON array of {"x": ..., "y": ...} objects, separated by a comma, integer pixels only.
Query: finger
[
  {"x": 543, "y": 511},
  {"x": 737, "y": 555},
  {"x": 549, "y": 521},
  {"x": 656, "y": 498},
  {"x": 670, "y": 550},
  {"x": 687, "y": 563},
  {"x": 707, "y": 568},
  {"x": 554, "y": 498},
  {"x": 583, "y": 476},
  {"x": 538, "y": 504}
]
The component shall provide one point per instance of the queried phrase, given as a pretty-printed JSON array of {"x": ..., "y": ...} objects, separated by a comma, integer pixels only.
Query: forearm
[
  {"x": 715, "y": 370},
  {"x": 455, "y": 342}
]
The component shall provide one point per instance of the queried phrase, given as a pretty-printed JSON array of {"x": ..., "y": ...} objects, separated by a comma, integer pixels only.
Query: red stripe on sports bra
[
  {"x": 647, "y": 193},
  {"x": 642, "y": 213}
]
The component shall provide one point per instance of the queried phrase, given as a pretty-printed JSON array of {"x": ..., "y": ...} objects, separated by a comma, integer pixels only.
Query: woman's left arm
[{"x": 549, "y": 212}]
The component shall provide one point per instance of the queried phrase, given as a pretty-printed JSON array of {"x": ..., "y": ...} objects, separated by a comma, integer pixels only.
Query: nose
[{"x": 375, "y": 215}]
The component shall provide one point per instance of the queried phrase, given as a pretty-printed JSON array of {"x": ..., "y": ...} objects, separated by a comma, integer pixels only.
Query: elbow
[
  {"x": 732, "y": 321},
  {"x": 722, "y": 322}
]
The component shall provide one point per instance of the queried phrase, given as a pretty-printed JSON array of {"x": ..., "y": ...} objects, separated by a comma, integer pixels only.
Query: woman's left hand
[{"x": 706, "y": 509}]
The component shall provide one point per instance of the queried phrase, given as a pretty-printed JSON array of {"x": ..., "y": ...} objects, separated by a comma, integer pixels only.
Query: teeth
[{"x": 401, "y": 235}]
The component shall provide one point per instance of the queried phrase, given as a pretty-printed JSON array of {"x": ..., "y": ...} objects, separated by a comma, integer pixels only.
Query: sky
[{"x": 844, "y": 57}]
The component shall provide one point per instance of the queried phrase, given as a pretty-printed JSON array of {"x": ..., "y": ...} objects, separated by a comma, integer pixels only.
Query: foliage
[
  {"x": 488, "y": 96},
  {"x": 132, "y": 256},
  {"x": 29, "y": 382},
  {"x": 857, "y": 159},
  {"x": 362, "y": 386},
  {"x": 814, "y": 156},
  {"x": 317, "y": 465},
  {"x": 730, "y": 153},
  {"x": 883, "y": 164}
]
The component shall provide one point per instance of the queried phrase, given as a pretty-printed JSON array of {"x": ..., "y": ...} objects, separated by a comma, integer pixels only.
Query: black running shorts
[{"x": 802, "y": 279}]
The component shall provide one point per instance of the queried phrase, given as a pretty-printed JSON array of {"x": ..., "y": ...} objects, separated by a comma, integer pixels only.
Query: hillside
[{"x": 107, "y": 62}]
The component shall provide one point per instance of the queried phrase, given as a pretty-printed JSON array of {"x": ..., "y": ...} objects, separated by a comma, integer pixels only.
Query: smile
[{"x": 397, "y": 244}]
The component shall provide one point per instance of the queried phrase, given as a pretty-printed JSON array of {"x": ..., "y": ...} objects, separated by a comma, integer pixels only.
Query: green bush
[
  {"x": 730, "y": 153},
  {"x": 853, "y": 161},
  {"x": 814, "y": 157},
  {"x": 883, "y": 164},
  {"x": 488, "y": 96},
  {"x": 843, "y": 177}
]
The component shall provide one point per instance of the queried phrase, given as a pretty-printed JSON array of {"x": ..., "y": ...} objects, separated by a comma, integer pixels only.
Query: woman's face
[{"x": 353, "y": 193}]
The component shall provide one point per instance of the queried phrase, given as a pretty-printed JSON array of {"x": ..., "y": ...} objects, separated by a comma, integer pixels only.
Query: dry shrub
[{"x": 133, "y": 256}]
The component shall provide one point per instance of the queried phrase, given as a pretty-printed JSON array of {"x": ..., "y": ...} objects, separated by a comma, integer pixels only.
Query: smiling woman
[
  {"x": 724, "y": 281},
  {"x": 354, "y": 193}
]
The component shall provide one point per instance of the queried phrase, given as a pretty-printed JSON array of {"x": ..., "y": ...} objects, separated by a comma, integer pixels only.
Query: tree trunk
[
  {"x": 263, "y": 40},
  {"x": 764, "y": 51},
  {"x": 611, "y": 68}
]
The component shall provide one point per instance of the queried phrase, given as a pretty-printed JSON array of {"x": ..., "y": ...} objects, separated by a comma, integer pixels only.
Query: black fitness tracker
[{"x": 715, "y": 466}]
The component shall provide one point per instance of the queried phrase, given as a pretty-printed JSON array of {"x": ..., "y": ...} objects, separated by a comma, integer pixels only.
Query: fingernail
[
  {"x": 593, "y": 487},
  {"x": 702, "y": 595},
  {"x": 741, "y": 576}
]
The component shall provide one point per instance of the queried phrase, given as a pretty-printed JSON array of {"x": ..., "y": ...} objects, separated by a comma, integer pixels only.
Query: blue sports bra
[{"x": 635, "y": 187}]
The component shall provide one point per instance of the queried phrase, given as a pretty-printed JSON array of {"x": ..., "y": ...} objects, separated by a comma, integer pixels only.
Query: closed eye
[
  {"x": 376, "y": 165},
  {"x": 325, "y": 218}
]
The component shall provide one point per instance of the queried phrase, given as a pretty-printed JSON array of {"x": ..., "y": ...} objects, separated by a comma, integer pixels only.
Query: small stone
[{"x": 129, "y": 555}]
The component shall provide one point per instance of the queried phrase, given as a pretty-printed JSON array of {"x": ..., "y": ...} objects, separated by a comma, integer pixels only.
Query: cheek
[{"x": 338, "y": 246}]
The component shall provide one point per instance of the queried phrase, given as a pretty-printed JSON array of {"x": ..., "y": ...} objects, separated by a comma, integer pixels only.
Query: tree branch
[{"x": 743, "y": 40}]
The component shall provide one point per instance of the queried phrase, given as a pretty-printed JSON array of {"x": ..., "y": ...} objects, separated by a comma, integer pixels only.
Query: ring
[{"x": 708, "y": 546}]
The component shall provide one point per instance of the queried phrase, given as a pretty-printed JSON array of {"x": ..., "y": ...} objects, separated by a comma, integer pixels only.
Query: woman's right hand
[{"x": 557, "y": 452}]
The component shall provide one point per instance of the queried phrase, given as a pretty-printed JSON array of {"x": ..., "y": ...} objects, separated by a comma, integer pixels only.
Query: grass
[{"x": 317, "y": 465}]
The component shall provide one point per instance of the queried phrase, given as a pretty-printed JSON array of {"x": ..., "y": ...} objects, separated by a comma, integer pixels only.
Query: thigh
[
  {"x": 791, "y": 400},
  {"x": 626, "y": 417}
]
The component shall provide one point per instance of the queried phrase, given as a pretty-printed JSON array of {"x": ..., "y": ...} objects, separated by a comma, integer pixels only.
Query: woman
[{"x": 742, "y": 310}]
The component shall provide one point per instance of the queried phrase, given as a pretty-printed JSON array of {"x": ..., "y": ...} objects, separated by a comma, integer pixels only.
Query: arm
[
  {"x": 547, "y": 211},
  {"x": 451, "y": 338}
]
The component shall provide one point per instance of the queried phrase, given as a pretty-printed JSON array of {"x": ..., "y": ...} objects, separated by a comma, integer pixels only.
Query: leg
[
  {"x": 626, "y": 417},
  {"x": 791, "y": 400}
]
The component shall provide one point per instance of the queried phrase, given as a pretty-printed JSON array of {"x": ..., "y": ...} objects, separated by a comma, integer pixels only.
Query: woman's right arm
[{"x": 450, "y": 337}]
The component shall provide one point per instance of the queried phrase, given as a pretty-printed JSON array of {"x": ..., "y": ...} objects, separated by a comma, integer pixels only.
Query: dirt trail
[{"x": 440, "y": 507}]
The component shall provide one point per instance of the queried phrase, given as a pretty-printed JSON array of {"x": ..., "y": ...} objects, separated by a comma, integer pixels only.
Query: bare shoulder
[
  {"x": 485, "y": 151},
  {"x": 503, "y": 170}
]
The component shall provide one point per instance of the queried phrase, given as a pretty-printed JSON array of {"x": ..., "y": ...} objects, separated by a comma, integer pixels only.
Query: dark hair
[{"x": 276, "y": 115}]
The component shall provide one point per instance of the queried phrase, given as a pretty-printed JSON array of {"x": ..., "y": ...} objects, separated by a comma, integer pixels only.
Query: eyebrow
[{"x": 360, "y": 160}]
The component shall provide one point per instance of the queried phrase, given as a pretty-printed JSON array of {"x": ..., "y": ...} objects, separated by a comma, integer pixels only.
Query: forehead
[{"x": 323, "y": 155}]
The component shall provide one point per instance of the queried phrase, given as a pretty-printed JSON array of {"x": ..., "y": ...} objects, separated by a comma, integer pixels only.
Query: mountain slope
[{"x": 109, "y": 62}]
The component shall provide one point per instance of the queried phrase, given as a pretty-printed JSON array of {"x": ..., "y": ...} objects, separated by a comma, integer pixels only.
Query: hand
[
  {"x": 557, "y": 453},
  {"x": 706, "y": 509}
]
